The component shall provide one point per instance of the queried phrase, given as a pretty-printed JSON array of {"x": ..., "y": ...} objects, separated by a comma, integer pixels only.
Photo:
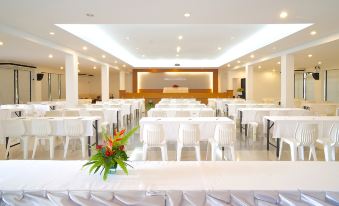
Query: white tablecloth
[
  {"x": 170, "y": 183},
  {"x": 257, "y": 114},
  {"x": 220, "y": 103},
  {"x": 285, "y": 126},
  {"x": 110, "y": 114},
  {"x": 170, "y": 112},
  {"x": 171, "y": 125},
  {"x": 324, "y": 108},
  {"x": 233, "y": 107}
]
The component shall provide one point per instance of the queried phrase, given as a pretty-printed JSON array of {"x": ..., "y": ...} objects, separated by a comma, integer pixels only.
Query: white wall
[{"x": 266, "y": 84}]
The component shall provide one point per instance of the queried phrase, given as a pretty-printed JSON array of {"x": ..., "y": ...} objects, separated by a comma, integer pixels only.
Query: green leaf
[
  {"x": 106, "y": 173},
  {"x": 97, "y": 169},
  {"x": 128, "y": 135},
  {"x": 122, "y": 165},
  {"x": 88, "y": 163}
]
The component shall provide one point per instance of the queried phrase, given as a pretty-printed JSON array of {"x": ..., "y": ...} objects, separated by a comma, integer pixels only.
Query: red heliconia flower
[
  {"x": 108, "y": 153},
  {"x": 122, "y": 132},
  {"x": 110, "y": 143},
  {"x": 117, "y": 139},
  {"x": 99, "y": 147},
  {"x": 122, "y": 147}
]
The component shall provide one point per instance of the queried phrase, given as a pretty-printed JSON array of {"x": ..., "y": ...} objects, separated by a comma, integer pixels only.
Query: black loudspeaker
[
  {"x": 39, "y": 76},
  {"x": 315, "y": 76}
]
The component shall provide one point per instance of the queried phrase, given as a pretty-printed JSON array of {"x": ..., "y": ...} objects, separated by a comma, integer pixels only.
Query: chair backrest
[
  {"x": 153, "y": 134},
  {"x": 182, "y": 114},
  {"x": 73, "y": 127},
  {"x": 224, "y": 134},
  {"x": 305, "y": 134},
  {"x": 334, "y": 134},
  {"x": 71, "y": 113},
  {"x": 5, "y": 114},
  {"x": 189, "y": 134},
  {"x": 206, "y": 113},
  {"x": 54, "y": 113},
  {"x": 40, "y": 127},
  {"x": 13, "y": 128},
  {"x": 157, "y": 113}
]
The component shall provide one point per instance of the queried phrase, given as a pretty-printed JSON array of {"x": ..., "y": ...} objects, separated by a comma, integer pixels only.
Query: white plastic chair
[
  {"x": 331, "y": 142},
  {"x": 224, "y": 136},
  {"x": 154, "y": 136},
  {"x": 258, "y": 119},
  {"x": 189, "y": 136},
  {"x": 41, "y": 129},
  {"x": 14, "y": 129},
  {"x": 304, "y": 136},
  {"x": 74, "y": 129},
  {"x": 182, "y": 114},
  {"x": 101, "y": 123}
]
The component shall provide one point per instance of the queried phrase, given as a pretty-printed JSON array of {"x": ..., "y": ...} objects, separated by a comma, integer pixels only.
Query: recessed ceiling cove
[{"x": 187, "y": 45}]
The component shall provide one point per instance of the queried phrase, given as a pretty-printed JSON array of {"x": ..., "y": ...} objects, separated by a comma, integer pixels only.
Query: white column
[
  {"x": 71, "y": 73},
  {"x": 249, "y": 82},
  {"x": 122, "y": 81},
  {"x": 104, "y": 82},
  {"x": 287, "y": 80}
]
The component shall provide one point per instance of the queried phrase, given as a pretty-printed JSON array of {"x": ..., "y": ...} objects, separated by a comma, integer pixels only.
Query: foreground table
[{"x": 170, "y": 183}]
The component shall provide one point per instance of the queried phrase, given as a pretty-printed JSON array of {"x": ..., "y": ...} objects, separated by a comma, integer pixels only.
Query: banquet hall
[{"x": 182, "y": 102}]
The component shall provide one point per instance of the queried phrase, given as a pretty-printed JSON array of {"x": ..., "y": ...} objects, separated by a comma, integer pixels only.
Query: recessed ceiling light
[
  {"x": 177, "y": 55},
  {"x": 94, "y": 67},
  {"x": 283, "y": 14},
  {"x": 103, "y": 56},
  {"x": 219, "y": 48},
  {"x": 228, "y": 65},
  {"x": 1, "y": 43},
  {"x": 319, "y": 62},
  {"x": 61, "y": 68},
  {"x": 84, "y": 48},
  {"x": 310, "y": 55},
  {"x": 89, "y": 14},
  {"x": 178, "y": 48},
  {"x": 180, "y": 37},
  {"x": 259, "y": 67},
  {"x": 143, "y": 55},
  {"x": 252, "y": 56},
  {"x": 51, "y": 33},
  {"x": 187, "y": 15},
  {"x": 123, "y": 65},
  {"x": 278, "y": 62},
  {"x": 137, "y": 48},
  {"x": 313, "y": 33},
  {"x": 115, "y": 61},
  {"x": 127, "y": 38},
  {"x": 50, "y": 56},
  {"x": 238, "y": 61}
]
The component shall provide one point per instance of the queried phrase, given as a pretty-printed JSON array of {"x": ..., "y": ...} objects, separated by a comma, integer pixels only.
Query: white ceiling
[{"x": 153, "y": 26}]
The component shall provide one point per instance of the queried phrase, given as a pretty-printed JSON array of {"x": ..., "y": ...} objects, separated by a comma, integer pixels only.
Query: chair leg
[
  {"x": 144, "y": 152},
  {"x": 24, "y": 142},
  {"x": 197, "y": 152},
  {"x": 301, "y": 152},
  {"x": 280, "y": 149},
  {"x": 312, "y": 150},
  {"x": 293, "y": 152},
  {"x": 179, "y": 148},
  {"x": 333, "y": 153},
  {"x": 83, "y": 147},
  {"x": 164, "y": 153},
  {"x": 232, "y": 153},
  {"x": 327, "y": 152},
  {"x": 36, "y": 142},
  {"x": 51, "y": 148},
  {"x": 66, "y": 147},
  {"x": 8, "y": 147}
]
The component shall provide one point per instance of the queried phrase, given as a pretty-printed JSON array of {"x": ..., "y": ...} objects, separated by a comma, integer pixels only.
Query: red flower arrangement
[{"x": 111, "y": 154}]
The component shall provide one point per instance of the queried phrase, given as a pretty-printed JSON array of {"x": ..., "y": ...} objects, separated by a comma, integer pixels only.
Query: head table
[{"x": 170, "y": 183}]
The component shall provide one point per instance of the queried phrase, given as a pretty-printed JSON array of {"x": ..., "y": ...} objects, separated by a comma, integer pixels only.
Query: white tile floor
[{"x": 246, "y": 150}]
